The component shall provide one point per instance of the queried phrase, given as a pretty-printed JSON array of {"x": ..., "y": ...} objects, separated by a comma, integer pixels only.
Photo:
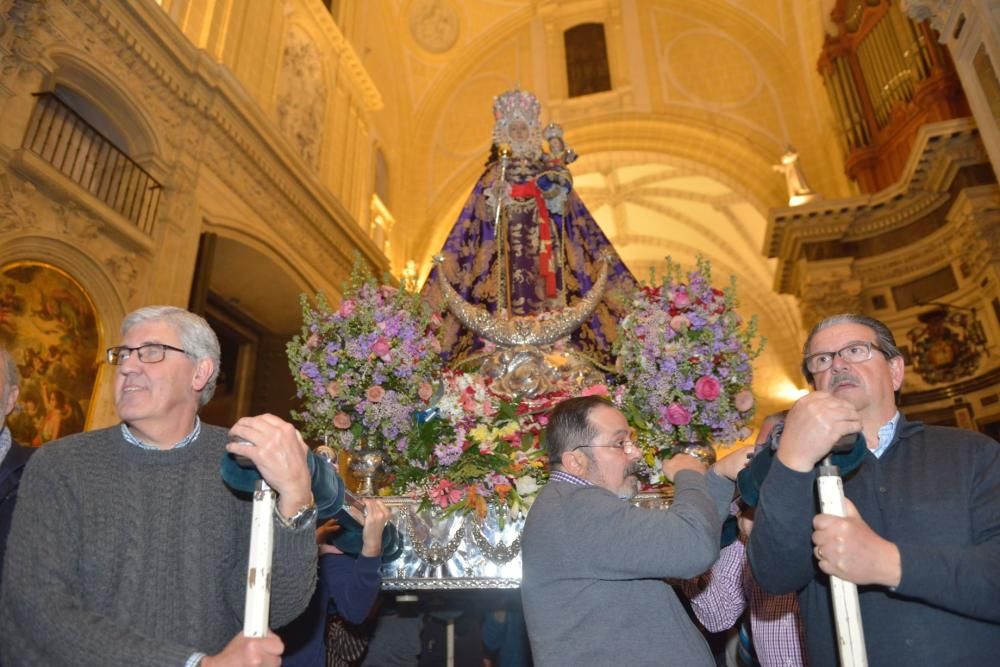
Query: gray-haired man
[{"x": 127, "y": 548}]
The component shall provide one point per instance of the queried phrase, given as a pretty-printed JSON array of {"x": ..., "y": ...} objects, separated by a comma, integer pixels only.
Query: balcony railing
[{"x": 58, "y": 135}]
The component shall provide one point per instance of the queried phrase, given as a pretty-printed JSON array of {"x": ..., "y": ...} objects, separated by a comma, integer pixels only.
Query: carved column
[{"x": 971, "y": 31}]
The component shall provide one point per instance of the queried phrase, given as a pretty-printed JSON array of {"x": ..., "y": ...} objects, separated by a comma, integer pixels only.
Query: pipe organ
[{"x": 886, "y": 75}]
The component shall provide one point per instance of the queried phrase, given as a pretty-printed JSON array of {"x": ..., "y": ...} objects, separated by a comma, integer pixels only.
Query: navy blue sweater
[
  {"x": 935, "y": 493},
  {"x": 351, "y": 584}
]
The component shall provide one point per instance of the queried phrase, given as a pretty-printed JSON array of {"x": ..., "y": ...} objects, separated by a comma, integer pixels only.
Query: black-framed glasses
[
  {"x": 150, "y": 353},
  {"x": 854, "y": 353}
]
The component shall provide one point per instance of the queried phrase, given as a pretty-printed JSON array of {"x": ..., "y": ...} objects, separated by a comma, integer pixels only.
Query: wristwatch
[{"x": 305, "y": 516}]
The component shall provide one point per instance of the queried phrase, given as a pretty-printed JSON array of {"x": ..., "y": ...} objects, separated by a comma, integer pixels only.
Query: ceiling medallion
[{"x": 434, "y": 25}]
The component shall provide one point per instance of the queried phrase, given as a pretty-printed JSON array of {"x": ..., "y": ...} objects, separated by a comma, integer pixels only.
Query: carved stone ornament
[
  {"x": 434, "y": 25},
  {"x": 935, "y": 10},
  {"x": 302, "y": 95}
]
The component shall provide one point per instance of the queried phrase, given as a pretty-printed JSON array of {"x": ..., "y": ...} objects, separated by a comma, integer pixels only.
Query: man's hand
[
  {"x": 248, "y": 651},
  {"x": 679, "y": 462},
  {"x": 279, "y": 453},
  {"x": 732, "y": 463},
  {"x": 813, "y": 426},
  {"x": 848, "y": 548},
  {"x": 376, "y": 516}
]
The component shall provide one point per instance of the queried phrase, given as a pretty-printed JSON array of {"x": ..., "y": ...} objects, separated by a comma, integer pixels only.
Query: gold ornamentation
[{"x": 541, "y": 329}]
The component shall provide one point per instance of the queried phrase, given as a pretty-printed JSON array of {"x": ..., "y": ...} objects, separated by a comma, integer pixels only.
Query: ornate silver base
[{"x": 526, "y": 371}]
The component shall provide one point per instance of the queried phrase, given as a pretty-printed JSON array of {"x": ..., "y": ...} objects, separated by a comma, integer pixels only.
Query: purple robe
[{"x": 471, "y": 259}]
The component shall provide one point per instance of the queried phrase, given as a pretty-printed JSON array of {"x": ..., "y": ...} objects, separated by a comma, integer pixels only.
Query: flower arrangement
[
  {"x": 475, "y": 448},
  {"x": 363, "y": 369},
  {"x": 685, "y": 359}
]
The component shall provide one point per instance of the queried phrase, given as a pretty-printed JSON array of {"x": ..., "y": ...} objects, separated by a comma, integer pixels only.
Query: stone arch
[
  {"x": 95, "y": 280},
  {"x": 115, "y": 101}
]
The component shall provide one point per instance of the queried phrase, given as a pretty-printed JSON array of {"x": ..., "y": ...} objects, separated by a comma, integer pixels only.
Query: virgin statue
[{"x": 524, "y": 243}]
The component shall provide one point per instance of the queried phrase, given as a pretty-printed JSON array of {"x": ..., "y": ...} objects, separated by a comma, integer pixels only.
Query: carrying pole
[
  {"x": 258, "y": 598},
  {"x": 846, "y": 608}
]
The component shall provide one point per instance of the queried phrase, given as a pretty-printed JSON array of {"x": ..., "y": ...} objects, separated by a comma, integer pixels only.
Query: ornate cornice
[
  {"x": 941, "y": 151},
  {"x": 221, "y": 107}
]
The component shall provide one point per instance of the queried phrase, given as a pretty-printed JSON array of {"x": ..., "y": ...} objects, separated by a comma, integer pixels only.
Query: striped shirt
[
  {"x": 188, "y": 439},
  {"x": 720, "y": 596},
  {"x": 563, "y": 476}
]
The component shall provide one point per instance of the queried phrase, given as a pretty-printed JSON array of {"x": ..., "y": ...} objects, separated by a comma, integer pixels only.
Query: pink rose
[
  {"x": 707, "y": 388},
  {"x": 425, "y": 391},
  {"x": 743, "y": 400},
  {"x": 333, "y": 389},
  {"x": 341, "y": 420},
  {"x": 381, "y": 348},
  {"x": 680, "y": 323},
  {"x": 347, "y": 307},
  {"x": 375, "y": 393},
  {"x": 677, "y": 415},
  {"x": 681, "y": 299},
  {"x": 595, "y": 390}
]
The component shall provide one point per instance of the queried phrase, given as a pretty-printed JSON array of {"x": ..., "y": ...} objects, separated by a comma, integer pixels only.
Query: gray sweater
[
  {"x": 593, "y": 571},
  {"x": 125, "y": 556},
  {"x": 935, "y": 493}
]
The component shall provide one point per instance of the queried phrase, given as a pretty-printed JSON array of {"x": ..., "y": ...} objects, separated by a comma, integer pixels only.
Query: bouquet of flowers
[
  {"x": 685, "y": 358},
  {"x": 474, "y": 448},
  {"x": 363, "y": 369}
]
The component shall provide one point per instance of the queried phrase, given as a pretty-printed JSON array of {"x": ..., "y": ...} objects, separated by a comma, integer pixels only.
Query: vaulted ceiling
[{"x": 675, "y": 159}]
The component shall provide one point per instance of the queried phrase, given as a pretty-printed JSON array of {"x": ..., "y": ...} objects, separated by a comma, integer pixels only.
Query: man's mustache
[
  {"x": 637, "y": 467},
  {"x": 844, "y": 378}
]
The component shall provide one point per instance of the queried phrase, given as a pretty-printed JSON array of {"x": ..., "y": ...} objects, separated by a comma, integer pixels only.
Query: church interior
[{"x": 228, "y": 156}]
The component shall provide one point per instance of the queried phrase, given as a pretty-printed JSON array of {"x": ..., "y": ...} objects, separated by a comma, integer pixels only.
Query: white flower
[{"x": 526, "y": 486}]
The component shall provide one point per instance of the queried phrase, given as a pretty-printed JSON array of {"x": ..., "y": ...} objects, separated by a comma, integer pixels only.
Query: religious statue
[
  {"x": 799, "y": 191},
  {"x": 524, "y": 243}
]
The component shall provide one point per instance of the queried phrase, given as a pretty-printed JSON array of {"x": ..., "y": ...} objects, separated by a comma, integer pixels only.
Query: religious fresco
[{"x": 49, "y": 325}]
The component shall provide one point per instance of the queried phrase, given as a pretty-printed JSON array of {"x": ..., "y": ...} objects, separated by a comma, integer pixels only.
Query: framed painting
[{"x": 49, "y": 325}]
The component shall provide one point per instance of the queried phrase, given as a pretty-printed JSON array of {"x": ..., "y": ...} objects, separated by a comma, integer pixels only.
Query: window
[{"x": 587, "y": 68}]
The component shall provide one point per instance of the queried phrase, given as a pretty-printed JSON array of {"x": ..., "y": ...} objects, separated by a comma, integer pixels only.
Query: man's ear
[
  {"x": 570, "y": 462},
  {"x": 897, "y": 371},
  {"x": 202, "y": 372}
]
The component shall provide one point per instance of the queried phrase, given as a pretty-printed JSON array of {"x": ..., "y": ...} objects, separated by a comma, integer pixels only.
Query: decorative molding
[
  {"x": 434, "y": 25},
  {"x": 27, "y": 212},
  {"x": 191, "y": 99},
  {"x": 937, "y": 11}
]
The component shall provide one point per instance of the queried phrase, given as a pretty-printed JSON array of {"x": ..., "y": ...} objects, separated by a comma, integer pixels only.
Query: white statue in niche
[{"x": 799, "y": 191}]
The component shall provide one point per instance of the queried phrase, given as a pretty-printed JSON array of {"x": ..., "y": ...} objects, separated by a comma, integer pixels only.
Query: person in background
[
  {"x": 127, "y": 548},
  {"x": 594, "y": 564},
  {"x": 13, "y": 457},
  {"x": 347, "y": 586},
  {"x": 728, "y": 595},
  {"x": 921, "y": 535}
]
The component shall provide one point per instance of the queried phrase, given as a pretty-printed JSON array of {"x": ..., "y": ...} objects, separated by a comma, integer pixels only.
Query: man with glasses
[
  {"x": 921, "y": 538},
  {"x": 127, "y": 548},
  {"x": 594, "y": 565}
]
